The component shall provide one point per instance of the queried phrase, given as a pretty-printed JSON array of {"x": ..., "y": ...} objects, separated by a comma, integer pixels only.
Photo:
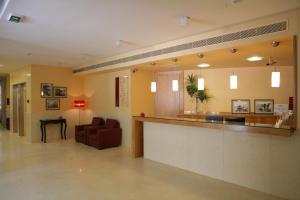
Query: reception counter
[
  {"x": 236, "y": 153},
  {"x": 138, "y": 122}
]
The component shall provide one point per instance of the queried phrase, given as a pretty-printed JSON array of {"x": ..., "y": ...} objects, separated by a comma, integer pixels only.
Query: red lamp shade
[{"x": 79, "y": 103}]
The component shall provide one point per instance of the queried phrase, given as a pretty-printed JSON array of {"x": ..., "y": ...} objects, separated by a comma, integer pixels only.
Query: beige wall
[
  {"x": 99, "y": 89},
  {"x": 58, "y": 77},
  {"x": 142, "y": 100},
  {"x": 253, "y": 83}
]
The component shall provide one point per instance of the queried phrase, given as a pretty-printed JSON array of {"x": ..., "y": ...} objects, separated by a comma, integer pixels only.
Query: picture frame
[
  {"x": 46, "y": 90},
  {"x": 52, "y": 104},
  {"x": 240, "y": 106},
  {"x": 264, "y": 106},
  {"x": 60, "y": 92}
]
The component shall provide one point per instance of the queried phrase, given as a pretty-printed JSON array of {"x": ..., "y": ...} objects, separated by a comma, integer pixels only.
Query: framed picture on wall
[
  {"x": 263, "y": 106},
  {"x": 46, "y": 90},
  {"x": 60, "y": 92},
  {"x": 240, "y": 106},
  {"x": 52, "y": 104}
]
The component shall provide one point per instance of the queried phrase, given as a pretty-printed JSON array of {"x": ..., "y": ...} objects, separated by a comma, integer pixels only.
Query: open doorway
[{"x": 19, "y": 95}]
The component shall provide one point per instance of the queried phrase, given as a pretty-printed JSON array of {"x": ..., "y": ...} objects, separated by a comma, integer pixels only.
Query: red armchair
[
  {"x": 81, "y": 130},
  {"x": 110, "y": 136}
]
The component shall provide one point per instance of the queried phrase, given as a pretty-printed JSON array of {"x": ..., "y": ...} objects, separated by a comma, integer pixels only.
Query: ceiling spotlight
[
  {"x": 153, "y": 63},
  {"x": 134, "y": 70},
  {"x": 174, "y": 59},
  {"x": 271, "y": 61},
  {"x": 235, "y": 1},
  {"x": 119, "y": 43},
  {"x": 254, "y": 58},
  {"x": 184, "y": 20},
  {"x": 203, "y": 65},
  {"x": 200, "y": 55},
  {"x": 275, "y": 44},
  {"x": 233, "y": 50}
]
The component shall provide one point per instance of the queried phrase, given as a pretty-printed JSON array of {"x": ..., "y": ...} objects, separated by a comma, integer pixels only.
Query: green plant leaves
[{"x": 192, "y": 89}]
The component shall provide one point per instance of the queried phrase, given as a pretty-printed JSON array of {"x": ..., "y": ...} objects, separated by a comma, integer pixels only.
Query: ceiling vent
[{"x": 248, "y": 33}]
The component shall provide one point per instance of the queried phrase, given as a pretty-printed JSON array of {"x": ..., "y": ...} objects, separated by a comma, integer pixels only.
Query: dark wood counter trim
[{"x": 138, "y": 130}]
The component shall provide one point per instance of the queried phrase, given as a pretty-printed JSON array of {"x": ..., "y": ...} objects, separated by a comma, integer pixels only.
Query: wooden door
[{"x": 167, "y": 101}]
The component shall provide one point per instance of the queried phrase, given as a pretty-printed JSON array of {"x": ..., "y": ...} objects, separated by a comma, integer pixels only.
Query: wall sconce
[
  {"x": 153, "y": 87},
  {"x": 175, "y": 85},
  {"x": 276, "y": 79},
  {"x": 233, "y": 82}
]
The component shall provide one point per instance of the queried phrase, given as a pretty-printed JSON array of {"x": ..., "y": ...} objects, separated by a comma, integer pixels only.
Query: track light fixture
[
  {"x": 184, "y": 20},
  {"x": 275, "y": 44},
  {"x": 233, "y": 50},
  {"x": 200, "y": 55},
  {"x": 174, "y": 60}
]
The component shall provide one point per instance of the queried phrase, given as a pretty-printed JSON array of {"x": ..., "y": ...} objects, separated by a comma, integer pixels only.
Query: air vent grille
[{"x": 271, "y": 28}]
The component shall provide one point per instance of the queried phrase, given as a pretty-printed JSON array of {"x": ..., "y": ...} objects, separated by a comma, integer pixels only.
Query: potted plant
[
  {"x": 193, "y": 92},
  {"x": 202, "y": 96}
]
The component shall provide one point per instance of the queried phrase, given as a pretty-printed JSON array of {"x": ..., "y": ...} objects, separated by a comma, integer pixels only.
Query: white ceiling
[{"x": 71, "y": 33}]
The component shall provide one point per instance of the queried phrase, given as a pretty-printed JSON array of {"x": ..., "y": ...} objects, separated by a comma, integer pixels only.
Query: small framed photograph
[
  {"x": 263, "y": 106},
  {"x": 52, "y": 104},
  {"x": 240, "y": 106},
  {"x": 46, "y": 90},
  {"x": 60, "y": 92}
]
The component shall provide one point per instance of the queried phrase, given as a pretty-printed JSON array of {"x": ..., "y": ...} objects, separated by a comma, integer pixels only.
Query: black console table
[{"x": 63, "y": 125}]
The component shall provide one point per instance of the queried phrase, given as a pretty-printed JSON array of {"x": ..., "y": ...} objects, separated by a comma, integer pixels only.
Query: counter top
[{"x": 235, "y": 126}]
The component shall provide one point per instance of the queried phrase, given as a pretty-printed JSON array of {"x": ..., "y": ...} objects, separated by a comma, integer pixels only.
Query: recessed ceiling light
[
  {"x": 203, "y": 65},
  {"x": 254, "y": 58}
]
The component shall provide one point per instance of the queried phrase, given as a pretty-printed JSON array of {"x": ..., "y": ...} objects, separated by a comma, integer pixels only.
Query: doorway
[
  {"x": 168, "y": 102},
  {"x": 19, "y": 95}
]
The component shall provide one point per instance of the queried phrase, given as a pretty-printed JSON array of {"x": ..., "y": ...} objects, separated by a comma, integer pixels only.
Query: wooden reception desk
[{"x": 138, "y": 128}]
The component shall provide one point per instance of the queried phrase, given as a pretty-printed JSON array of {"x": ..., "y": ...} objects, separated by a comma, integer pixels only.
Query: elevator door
[{"x": 19, "y": 94}]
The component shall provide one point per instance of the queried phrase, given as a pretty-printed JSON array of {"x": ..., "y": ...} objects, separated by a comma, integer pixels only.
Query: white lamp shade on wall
[
  {"x": 175, "y": 85},
  {"x": 233, "y": 82},
  {"x": 153, "y": 86},
  {"x": 200, "y": 83},
  {"x": 276, "y": 79}
]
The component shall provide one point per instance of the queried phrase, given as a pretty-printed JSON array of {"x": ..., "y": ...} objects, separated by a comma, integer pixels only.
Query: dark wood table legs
[{"x": 63, "y": 128}]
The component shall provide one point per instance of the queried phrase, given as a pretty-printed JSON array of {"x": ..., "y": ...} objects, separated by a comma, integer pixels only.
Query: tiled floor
[{"x": 67, "y": 170}]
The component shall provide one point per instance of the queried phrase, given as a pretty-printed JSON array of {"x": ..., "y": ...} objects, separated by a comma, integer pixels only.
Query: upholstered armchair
[
  {"x": 81, "y": 130},
  {"x": 110, "y": 136}
]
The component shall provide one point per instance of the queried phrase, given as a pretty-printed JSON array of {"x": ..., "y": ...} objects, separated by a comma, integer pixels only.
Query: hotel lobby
[{"x": 176, "y": 100}]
